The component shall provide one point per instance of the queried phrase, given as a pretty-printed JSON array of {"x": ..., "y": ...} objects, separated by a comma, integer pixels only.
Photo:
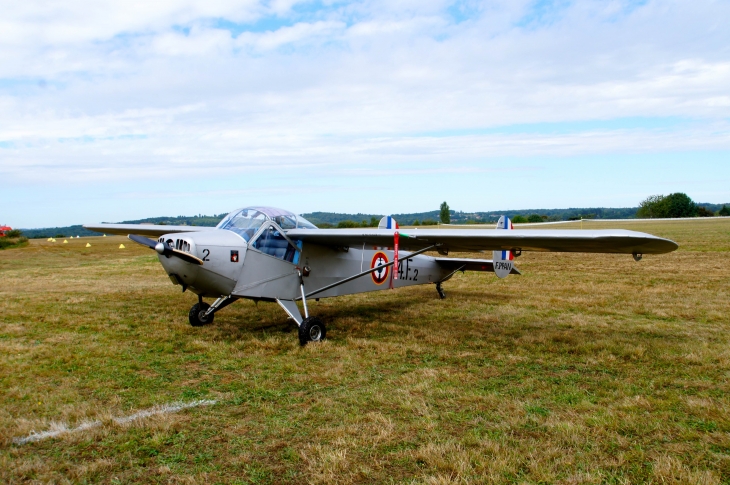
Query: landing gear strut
[
  {"x": 440, "y": 290},
  {"x": 311, "y": 329},
  {"x": 202, "y": 314}
]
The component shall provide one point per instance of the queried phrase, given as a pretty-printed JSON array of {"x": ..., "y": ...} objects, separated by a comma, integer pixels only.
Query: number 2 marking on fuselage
[{"x": 206, "y": 253}]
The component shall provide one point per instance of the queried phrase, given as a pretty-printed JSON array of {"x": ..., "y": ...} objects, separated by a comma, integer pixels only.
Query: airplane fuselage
[{"x": 232, "y": 267}]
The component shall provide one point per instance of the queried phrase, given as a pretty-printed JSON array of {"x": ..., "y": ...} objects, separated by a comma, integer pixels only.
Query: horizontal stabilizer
[{"x": 454, "y": 264}]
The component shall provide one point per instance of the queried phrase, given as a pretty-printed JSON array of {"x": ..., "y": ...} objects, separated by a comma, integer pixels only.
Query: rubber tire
[
  {"x": 308, "y": 329},
  {"x": 194, "y": 315}
]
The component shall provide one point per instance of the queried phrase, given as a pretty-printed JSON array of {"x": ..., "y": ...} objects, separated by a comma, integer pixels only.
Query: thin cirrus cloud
[{"x": 109, "y": 92}]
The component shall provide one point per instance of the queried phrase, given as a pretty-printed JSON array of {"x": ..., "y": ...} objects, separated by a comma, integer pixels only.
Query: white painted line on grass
[{"x": 58, "y": 429}]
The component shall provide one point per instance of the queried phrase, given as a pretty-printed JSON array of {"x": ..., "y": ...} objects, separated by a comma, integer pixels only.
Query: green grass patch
[{"x": 587, "y": 369}]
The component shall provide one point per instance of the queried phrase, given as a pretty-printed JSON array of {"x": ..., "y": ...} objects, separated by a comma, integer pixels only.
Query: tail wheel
[
  {"x": 311, "y": 330},
  {"x": 197, "y": 315}
]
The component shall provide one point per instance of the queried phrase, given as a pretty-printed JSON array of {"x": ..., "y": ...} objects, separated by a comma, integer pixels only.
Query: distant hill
[
  {"x": 460, "y": 217},
  {"x": 330, "y": 219},
  {"x": 78, "y": 230}
]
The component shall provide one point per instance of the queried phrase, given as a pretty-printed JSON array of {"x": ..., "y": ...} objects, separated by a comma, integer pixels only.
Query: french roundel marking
[{"x": 380, "y": 276}]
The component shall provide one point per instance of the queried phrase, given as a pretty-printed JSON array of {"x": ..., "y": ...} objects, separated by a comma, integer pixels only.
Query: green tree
[
  {"x": 347, "y": 224},
  {"x": 652, "y": 207},
  {"x": 677, "y": 204},
  {"x": 445, "y": 214},
  {"x": 534, "y": 218},
  {"x": 724, "y": 211},
  {"x": 680, "y": 205},
  {"x": 416, "y": 223},
  {"x": 519, "y": 219}
]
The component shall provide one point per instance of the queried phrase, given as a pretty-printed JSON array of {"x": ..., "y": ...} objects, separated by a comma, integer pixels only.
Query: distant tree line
[{"x": 653, "y": 207}]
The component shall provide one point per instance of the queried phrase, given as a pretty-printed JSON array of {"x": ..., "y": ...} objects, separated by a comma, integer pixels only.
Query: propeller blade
[
  {"x": 164, "y": 249},
  {"x": 144, "y": 241},
  {"x": 186, "y": 257}
]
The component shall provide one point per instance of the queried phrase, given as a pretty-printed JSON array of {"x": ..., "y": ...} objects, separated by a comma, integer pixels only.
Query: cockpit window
[
  {"x": 244, "y": 222},
  {"x": 302, "y": 223},
  {"x": 286, "y": 222},
  {"x": 247, "y": 221},
  {"x": 273, "y": 243}
]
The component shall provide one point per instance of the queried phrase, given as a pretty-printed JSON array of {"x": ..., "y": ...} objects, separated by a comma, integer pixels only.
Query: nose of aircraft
[{"x": 179, "y": 271}]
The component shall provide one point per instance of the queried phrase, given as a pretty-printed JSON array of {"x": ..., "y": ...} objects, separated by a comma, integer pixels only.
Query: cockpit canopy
[{"x": 245, "y": 222}]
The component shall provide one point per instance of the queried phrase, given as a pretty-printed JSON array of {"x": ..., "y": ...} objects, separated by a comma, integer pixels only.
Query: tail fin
[
  {"x": 503, "y": 260},
  {"x": 388, "y": 222},
  {"x": 505, "y": 223}
]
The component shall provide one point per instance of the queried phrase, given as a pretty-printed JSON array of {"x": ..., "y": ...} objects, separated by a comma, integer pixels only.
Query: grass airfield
[{"x": 586, "y": 369}]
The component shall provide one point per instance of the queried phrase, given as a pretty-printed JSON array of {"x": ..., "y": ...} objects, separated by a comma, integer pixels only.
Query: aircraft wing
[
  {"x": 143, "y": 229},
  {"x": 617, "y": 241}
]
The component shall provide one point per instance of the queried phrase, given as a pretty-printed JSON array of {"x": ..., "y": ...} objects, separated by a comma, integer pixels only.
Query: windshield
[{"x": 246, "y": 222}]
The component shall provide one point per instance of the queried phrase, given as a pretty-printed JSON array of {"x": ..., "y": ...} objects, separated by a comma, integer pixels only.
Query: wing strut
[{"x": 377, "y": 268}]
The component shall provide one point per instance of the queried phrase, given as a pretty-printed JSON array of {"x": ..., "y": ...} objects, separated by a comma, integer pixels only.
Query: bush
[
  {"x": 534, "y": 218},
  {"x": 14, "y": 233},
  {"x": 429, "y": 222},
  {"x": 6, "y": 242},
  {"x": 518, "y": 219},
  {"x": 347, "y": 224}
]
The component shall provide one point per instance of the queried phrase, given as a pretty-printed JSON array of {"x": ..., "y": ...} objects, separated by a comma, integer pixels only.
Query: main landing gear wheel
[
  {"x": 197, "y": 315},
  {"x": 311, "y": 330}
]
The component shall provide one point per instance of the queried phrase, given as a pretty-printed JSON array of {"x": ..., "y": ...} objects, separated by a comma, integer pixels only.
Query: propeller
[{"x": 164, "y": 249}]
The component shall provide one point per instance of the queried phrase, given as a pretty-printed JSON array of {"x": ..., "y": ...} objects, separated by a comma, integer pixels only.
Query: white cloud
[{"x": 128, "y": 90}]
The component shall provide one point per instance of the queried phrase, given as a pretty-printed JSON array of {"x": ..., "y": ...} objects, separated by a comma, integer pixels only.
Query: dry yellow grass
[{"x": 586, "y": 369}]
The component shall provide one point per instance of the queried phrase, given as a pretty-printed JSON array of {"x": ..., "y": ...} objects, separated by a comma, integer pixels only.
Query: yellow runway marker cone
[
  {"x": 53, "y": 240},
  {"x": 104, "y": 235},
  {"x": 121, "y": 246},
  {"x": 50, "y": 239},
  {"x": 88, "y": 245},
  {"x": 65, "y": 241}
]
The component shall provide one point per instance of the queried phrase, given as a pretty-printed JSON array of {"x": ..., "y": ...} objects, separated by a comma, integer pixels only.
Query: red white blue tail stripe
[
  {"x": 388, "y": 222},
  {"x": 503, "y": 260}
]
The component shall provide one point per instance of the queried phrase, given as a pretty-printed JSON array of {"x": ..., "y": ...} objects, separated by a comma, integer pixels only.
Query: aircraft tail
[
  {"x": 503, "y": 260},
  {"x": 388, "y": 222}
]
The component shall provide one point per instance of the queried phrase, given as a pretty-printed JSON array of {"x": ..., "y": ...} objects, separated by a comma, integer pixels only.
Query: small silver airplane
[{"x": 273, "y": 255}]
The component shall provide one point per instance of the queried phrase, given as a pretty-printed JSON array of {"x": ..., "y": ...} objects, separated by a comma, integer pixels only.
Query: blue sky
[{"x": 121, "y": 110}]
